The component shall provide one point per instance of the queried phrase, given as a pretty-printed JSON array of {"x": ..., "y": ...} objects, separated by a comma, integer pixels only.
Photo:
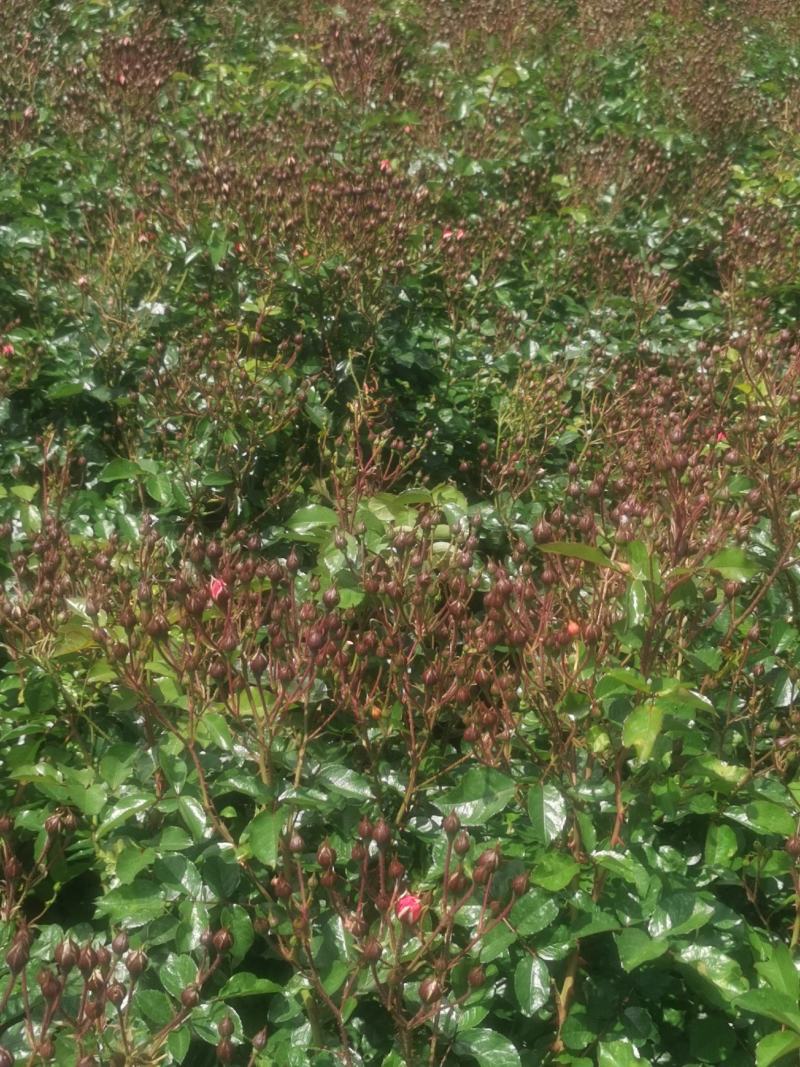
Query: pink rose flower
[
  {"x": 217, "y": 588},
  {"x": 408, "y": 909}
]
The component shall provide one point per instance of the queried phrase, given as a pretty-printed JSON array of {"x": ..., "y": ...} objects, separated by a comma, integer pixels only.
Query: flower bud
[
  {"x": 372, "y": 950},
  {"x": 6, "y": 1059},
  {"x": 136, "y": 962},
  {"x": 86, "y": 960},
  {"x": 280, "y": 887},
  {"x": 119, "y": 946},
  {"x": 408, "y": 909},
  {"x": 461, "y": 843},
  {"x": 259, "y": 1040},
  {"x": 519, "y": 885},
  {"x": 12, "y": 869},
  {"x": 17, "y": 956},
  {"x": 222, "y": 941},
  {"x": 476, "y": 978},
  {"x": 53, "y": 824},
  {"x": 793, "y": 846},
  {"x": 225, "y": 1026},
  {"x": 46, "y": 1049},
  {"x": 381, "y": 834},
  {"x": 190, "y": 996},
  {"x": 451, "y": 824},
  {"x": 225, "y": 1050},
  {"x": 365, "y": 829},
  {"x": 49, "y": 984},
  {"x": 116, "y": 993},
  {"x": 490, "y": 859},
  {"x": 430, "y": 990},
  {"x": 296, "y": 844},
  {"x": 66, "y": 956},
  {"x": 396, "y": 868},
  {"x": 326, "y": 856}
]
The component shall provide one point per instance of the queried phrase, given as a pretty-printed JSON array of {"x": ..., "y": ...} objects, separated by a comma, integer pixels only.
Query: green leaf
[
  {"x": 772, "y": 1005},
  {"x": 177, "y": 973},
  {"x": 122, "y": 810},
  {"x": 775, "y": 1046},
  {"x": 547, "y": 811},
  {"x": 119, "y": 470},
  {"x": 779, "y": 971},
  {"x": 531, "y": 984},
  {"x": 489, "y": 1048},
  {"x": 642, "y": 727},
  {"x": 635, "y": 947},
  {"x": 619, "y": 1054},
  {"x": 134, "y": 904},
  {"x": 555, "y": 871},
  {"x": 216, "y": 729},
  {"x": 733, "y": 563},
  {"x": 245, "y": 984},
  {"x": 345, "y": 782},
  {"x": 481, "y": 793},
  {"x": 160, "y": 488},
  {"x": 576, "y": 550},
  {"x": 41, "y": 694},
  {"x": 178, "y": 1043},
  {"x": 764, "y": 817},
  {"x": 313, "y": 522},
  {"x": 154, "y": 1005},
  {"x": 263, "y": 833},
  {"x": 532, "y": 913},
  {"x": 716, "y": 969},
  {"x": 193, "y": 816}
]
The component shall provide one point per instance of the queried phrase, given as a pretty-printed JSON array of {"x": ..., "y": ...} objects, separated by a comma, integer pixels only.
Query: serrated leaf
[{"x": 489, "y": 1048}]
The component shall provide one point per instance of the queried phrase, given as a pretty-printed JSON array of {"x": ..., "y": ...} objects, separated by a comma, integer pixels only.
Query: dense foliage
[{"x": 399, "y": 532}]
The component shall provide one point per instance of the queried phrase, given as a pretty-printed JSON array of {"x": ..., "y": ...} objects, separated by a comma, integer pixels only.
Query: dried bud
[
  {"x": 119, "y": 946},
  {"x": 451, "y": 824},
  {"x": 326, "y": 856},
  {"x": 381, "y": 834},
  {"x": 18, "y": 955},
  {"x": 225, "y": 1050},
  {"x": 222, "y": 941},
  {"x": 66, "y": 956},
  {"x": 490, "y": 859},
  {"x": 430, "y": 990},
  {"x": 116, "y": 993},
  {"x": 372, "y": 950},
  {"x": 461, "y": 843},
  {"x": 136, "y": 962},
  {"x": 365, "y": 829},
  {"x": 519, "y": 885}
]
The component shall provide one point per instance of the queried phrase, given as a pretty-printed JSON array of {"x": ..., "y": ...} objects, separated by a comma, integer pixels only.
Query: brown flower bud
[
  {"x": 372, "y": 950},
  {"x": 365, "y": 829},
  {"x": 53, "y": 824},
  {"x": 87, "y": 960},
  {"x": 6, "y": 1059},
  {"x": 12, "y": 869},
  {"x": 462, "y": 843},
  {"x": 519, "y": 885},
  {"x": 326, "y": 856},
  {"x": 259, "y": 1040},
  {"x": 793, "y": 846},
  {"x": 116, "y": 993},
  {"x": 381, "y": 834},
  {"x": 46, "y": 1049},
  {"x": 66, "y": 956},
  {"x": 225, "y": 1026},
  {"x": 6, "y": 825},
  {"x": 18, "y": 955},
  {"x": 296, "y": 844},
  {"x": 430, "y": 990},
  {"x": 490, "y": 859},
  {"x": 48, "y": 983},
  {"x": 476, "y": 978},
  {"x": 280, "y": 887},
  {"x": 119, "y": 946},
  {"x": 225, "y": 1050},
  {"x": 451, "y": 824},
  {"x": 136, "y": 962},
  {"x": 357, "y": 852},
  {"x": 222, "y": 941},
  {"x": 396, "y": 868}
]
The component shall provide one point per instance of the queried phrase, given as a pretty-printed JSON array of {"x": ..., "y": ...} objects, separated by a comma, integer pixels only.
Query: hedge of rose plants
[{"x": 399, "y": 533}]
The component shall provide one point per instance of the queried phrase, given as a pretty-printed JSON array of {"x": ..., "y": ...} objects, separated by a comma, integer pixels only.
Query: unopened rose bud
[
  {"x": 430, "y": 990},
  {"x": 281, "y": 888},
  {"x": 408, "y": 909},
  {"x": 136, "y": 962},
  {"x": 6, "y": 1059},
  {"x": 225, "y": 1050},
  {"x": 222, "y": 941},
  {"x": 116, "y": 993},
  {"x": 12, "y": 869},
  {"x": 46, "y": 1049},
  {"x": 490, "y": 859},
  {"x": 86, "y": 960},
  {"x": 49, "y": 984},
  {"x": 451, "y": 824},
  {"x": 462, "y": 843},
  {"x": 17, "y": 956},
  {"x": 296, "y": 843},
  {"x": 326, "y": 856},
  {"x": 793, "y": 846},
  {"x": 519, "y": 885},
  {"x": 476, "y": 977},
  {"x": 6, "y": 825},
  {"x": 365, "y": 829},
  {"x": 119, "y": 946},
  {"x": 53, "y": 825},
  {"x": 372, "y": 950},
  {"x": 66, "y": 956},
  {"x": 381, "y": 834},
  {"x": 225, "y": 1026},
  {"x": 259, "y": 1041},
  {"x": 396, "y": 868}
]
